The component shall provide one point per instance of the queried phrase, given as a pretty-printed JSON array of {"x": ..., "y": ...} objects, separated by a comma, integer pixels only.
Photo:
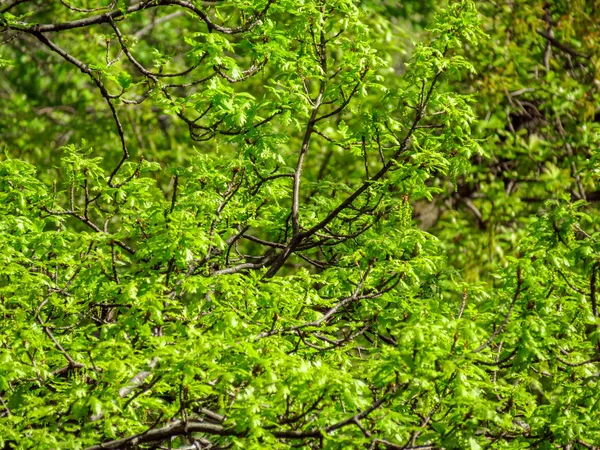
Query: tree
[{"x": 316, "y": 224}]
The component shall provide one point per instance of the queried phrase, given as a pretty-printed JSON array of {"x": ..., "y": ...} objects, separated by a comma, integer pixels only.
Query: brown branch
[
  {"x": 86, "y": 10},
  {"x": 174, "y": 196},
  {"x": 86, "y": 69},
  {"x": 176, "y": 428},
  {"x": 12, "y": 5},
  {"x": 346, "y": 101},
  {"x": 60, "y": 348},
  {"x": 593, "y": 290},
  {"x": 180, "y": 427},
  {"x": 550, "y": 38},
  {"x": 112, "y": 15},
  {"x": 252, "y": 70},
  {"x": 297, "y": 240},
  {"x": 299, "y": 165},
  {"x": 244, "y": 266},
  {"x": 327, "y": 315},
  {"x": 583, "y": 363},
  {"x": 89, "y": 223}
]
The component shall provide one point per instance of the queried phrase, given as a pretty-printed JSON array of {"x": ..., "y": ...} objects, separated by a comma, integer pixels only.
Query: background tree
[{"x": 316, "y": 224}]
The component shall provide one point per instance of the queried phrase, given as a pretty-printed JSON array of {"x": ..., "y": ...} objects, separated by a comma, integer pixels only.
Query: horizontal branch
[
  {"x": 561, "y": 46},
  {"x": 181, "y": 427},
  {"x": 176, "y": 428},
  {"x": 117, "y": 13}
]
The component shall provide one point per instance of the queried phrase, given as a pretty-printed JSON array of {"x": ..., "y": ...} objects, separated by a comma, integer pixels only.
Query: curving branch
[
  {"x": 144, "y": 5},
  {"x": 111, "y": 5},
  {"x": 298, "y": 238},
  {"x": 12, "y": 5},
  {"x": 185, "y": 427},
  {"x": 108, "y": 97}
]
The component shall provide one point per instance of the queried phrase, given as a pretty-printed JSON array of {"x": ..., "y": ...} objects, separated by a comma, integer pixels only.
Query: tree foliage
[{"x": 271, "y": 224}]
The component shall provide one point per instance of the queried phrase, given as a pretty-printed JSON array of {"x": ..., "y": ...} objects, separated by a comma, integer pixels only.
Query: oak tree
[{"x": 272, "y": 224}]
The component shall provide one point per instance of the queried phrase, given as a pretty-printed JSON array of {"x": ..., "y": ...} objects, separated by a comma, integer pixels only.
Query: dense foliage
[{"x": 271, "y": 224}]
